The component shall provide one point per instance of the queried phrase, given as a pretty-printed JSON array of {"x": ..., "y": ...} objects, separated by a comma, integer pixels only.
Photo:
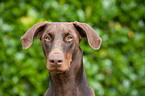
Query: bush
[{"x": 117, "y": 69}]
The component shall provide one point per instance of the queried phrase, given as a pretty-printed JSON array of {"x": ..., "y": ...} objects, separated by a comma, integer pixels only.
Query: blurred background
[{"x": 116, "y": 69}]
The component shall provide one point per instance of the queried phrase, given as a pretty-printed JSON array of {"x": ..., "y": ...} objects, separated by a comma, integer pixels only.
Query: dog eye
[
  {"x": 48, "y": 38},
  {"x": 69, "y": 38}
]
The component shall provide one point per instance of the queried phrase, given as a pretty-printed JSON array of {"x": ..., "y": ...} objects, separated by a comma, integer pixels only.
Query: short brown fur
[{"x": 60, "y": 45}]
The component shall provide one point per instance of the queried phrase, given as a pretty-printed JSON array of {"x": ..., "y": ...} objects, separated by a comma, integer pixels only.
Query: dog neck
[{"x": 71, "y": 83}]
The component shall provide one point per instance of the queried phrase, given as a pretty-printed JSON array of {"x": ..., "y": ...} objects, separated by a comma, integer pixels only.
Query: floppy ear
[
  {"x": 86, "y": 30},
  {"x": 35, "y": 30}
]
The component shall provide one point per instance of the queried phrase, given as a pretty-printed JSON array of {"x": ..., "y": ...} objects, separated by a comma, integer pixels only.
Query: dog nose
[{"x": 56, "y": 59}]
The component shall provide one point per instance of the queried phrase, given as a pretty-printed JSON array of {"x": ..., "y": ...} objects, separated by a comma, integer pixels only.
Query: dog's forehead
[{"x": 61, "y": 28}]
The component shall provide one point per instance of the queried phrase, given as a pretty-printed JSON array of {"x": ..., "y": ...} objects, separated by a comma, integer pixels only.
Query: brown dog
[{"x": 60, "y": 45}]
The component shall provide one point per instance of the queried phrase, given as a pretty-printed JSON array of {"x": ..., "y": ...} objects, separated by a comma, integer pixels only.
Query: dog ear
[
  {"x": 35, "y": 30},
  {"x": 86, "y": 30}
]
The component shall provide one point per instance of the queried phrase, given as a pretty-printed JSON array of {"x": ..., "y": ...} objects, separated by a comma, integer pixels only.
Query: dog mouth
[{"x": 56, "y": 70}]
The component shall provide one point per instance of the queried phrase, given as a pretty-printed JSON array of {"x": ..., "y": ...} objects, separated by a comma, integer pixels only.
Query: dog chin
[{"x": 57, "y": 70}]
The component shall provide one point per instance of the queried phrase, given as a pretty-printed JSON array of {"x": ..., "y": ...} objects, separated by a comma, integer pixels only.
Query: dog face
[{"x": 60, "y": 42}]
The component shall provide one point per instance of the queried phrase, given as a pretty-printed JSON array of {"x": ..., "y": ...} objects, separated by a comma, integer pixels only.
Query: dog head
[{"x": 60, "y": 42}]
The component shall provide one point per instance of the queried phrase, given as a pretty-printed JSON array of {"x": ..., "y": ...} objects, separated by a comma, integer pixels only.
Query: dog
[{"x": 64, "y": 58}]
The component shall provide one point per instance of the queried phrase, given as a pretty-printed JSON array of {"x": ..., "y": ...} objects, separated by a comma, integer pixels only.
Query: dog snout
[{"x": 56, "y": 59}]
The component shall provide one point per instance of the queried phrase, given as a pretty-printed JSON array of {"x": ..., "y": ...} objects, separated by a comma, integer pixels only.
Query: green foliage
[{"x": 117, "y": 69}]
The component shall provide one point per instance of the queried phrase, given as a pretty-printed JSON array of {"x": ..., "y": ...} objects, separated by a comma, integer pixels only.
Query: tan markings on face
[
  {"x": 69, "y": 58},
  {"x": 50, "y": 32},
  {"x": 66, "y": 32},
  {"x": 47, "y": 61}
]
